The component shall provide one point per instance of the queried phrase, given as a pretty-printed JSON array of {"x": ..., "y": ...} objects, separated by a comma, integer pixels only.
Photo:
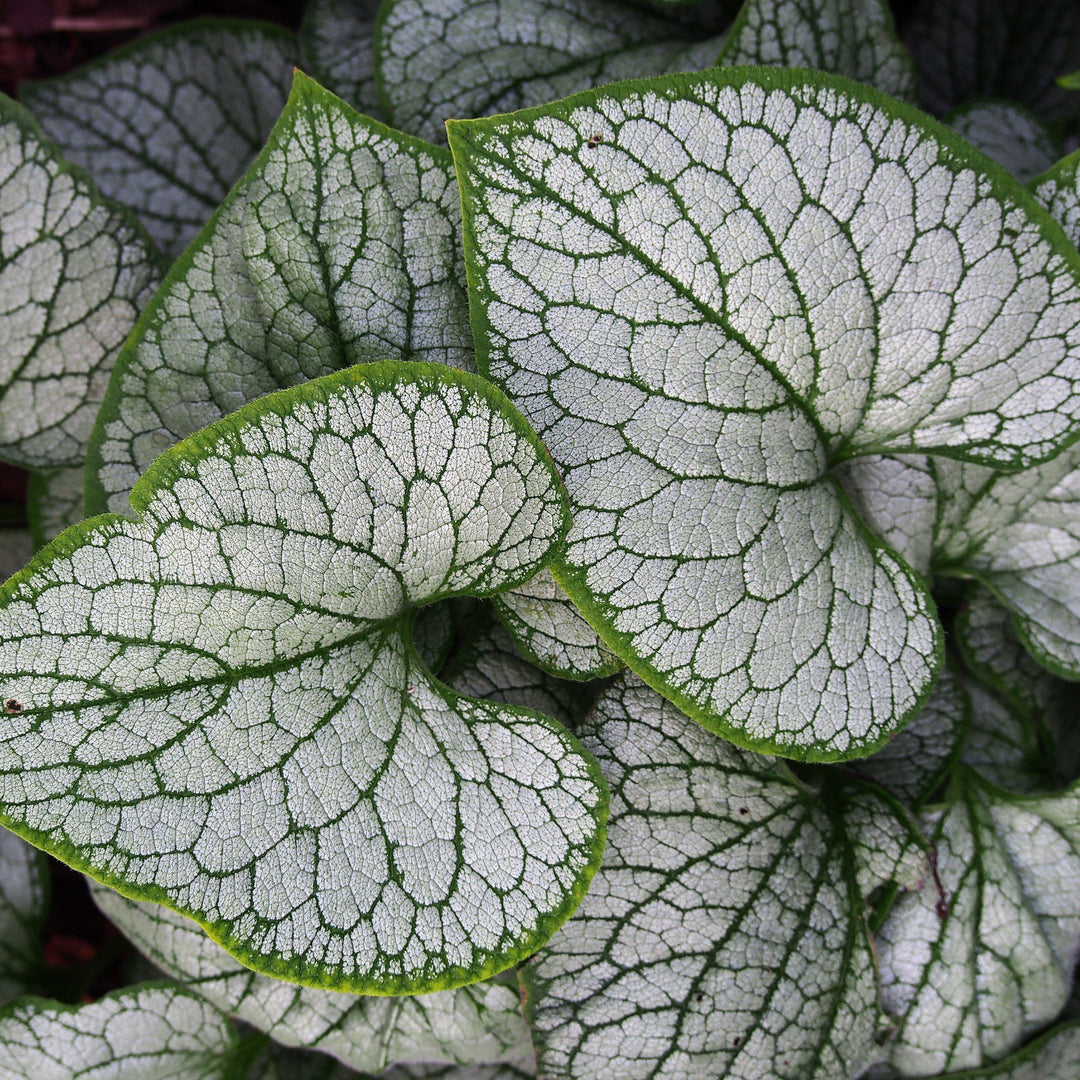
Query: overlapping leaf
[
  {"x": 1019, "y": 534},
  {"x": 552, "y": 633},
  {"x": 1059, "y": 191},
  {"x": 1053, "y": 1056},
  {"x": 473, "y": 1024},
  {"x": 1008, "y": 746},
  {"x": 966, "y": 49},
  {"x": 458, "y": 58},
  {"x": 24, "y": 900},
  {"x": 167, "y": 123},
  {"x": 75, "y": 270},
  {"x": 705, "y": 291},
  {"x": 218, "y": 705},
  {"x": 487, "y": 664},
  {"x": 338, "y": 39},
  {"x": 724, "y": 933},
  {"x": 1011, "y": 135},
  {"x": 143, "y": 1033},
  {"x": 915, "y": 762},
  {"x": 987, "y": 638},
  {"x": 975, "y": 970},
  {"x": 340, "y": 245},
  {"x": 54, "y": 502},
  {"x": 856, "y": 38}
]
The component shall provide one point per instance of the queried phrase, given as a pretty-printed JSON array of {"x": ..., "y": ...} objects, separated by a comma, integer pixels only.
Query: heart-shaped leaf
[
  {"x": 728, "y": 362},
  {"x": 974, "y": 970},
  {"x": 339, "y": 245},
  {"x": 219, "y": 705},
  {"x": 75, "y": 270},
  {"x": 724, "y": 934},
  {"x": 704, "y": 308},
  {"x": 143, "y": 1033},
  {"x": 24, "y": 901},
  {"x": 166, "y": 123},
  {"x": 473, "y": 1024},
  {"x": 475, "y": 57}
]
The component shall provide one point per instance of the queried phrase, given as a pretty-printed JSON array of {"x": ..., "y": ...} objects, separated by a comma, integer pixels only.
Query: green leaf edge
[
  {"x": 1022, "y": 624},
  {"x": 597, "y": 614},
  {"x": 304, "y": 90},
  {"x": 161, "y": 471},
  {"x": 956, "y": 153}
]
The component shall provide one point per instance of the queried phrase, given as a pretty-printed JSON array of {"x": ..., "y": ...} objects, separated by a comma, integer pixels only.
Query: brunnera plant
[{"x": 591, "y": 589}]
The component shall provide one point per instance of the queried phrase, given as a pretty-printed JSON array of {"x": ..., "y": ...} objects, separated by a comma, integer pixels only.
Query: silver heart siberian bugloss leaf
[{"x": 220, "y": 706}]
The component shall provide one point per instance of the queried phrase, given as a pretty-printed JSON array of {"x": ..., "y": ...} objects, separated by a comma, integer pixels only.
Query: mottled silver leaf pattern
[
  {"x": 75, "y": 270},
  {"x": 473, "y": 1024},
  {"x": 145, "y": 1033},
  {"x": 973, "y": 971},
  {"x": 723, "y": 935},
  {"x": 221, "y": 706},
  {"x": 1009, "y": 134},
  {"x": 856, "y": 38},
  {"x": 338, "y": 40},
  {"x": 551, "y": 631},
  {"x": 167, "y": 123},
  {"x": 442, "y": 59},
  {"x": 282, "y": 287}
]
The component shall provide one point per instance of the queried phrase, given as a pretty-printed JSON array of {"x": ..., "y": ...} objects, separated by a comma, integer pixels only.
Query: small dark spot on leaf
[
  {"x": 699, "y": 996},
  {"x": 13, "y": 707},
  {"x": 737, "y": 1041},
  {"x": 595, "y": 140},
  {"x": 743, "y": 810}
]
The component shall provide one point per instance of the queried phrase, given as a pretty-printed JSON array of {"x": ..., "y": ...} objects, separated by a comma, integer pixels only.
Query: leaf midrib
[{"x": 708, "y": 315}]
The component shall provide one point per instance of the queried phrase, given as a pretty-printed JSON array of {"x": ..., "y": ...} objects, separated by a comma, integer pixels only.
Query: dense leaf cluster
[{"x": 557, "y": 534}]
